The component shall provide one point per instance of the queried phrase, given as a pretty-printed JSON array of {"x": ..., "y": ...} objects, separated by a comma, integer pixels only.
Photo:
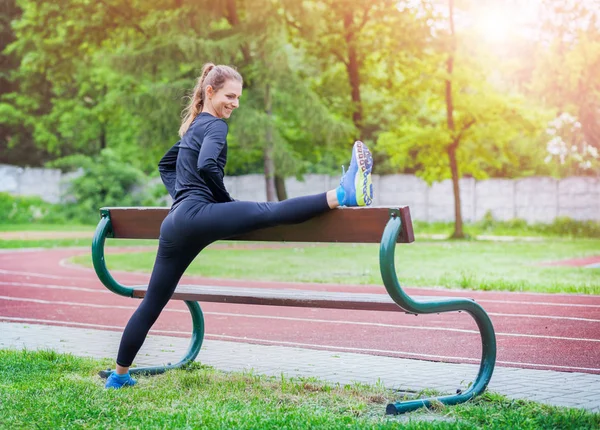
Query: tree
[
  {"x": 568, "y": 63},
  {"x": 115, "y": 72},
  {"x": 362, "y": 55},
  {"x": 336, "y": 31},
  {"x": 118, "y": 70},
  {"x": 281, "y": 106},
  {"x": 460, "y": 124},
  {"x": 16, "y": 143}
]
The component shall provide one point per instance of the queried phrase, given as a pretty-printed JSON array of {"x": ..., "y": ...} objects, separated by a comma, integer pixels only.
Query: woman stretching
[{"x": 204, "y": 212}]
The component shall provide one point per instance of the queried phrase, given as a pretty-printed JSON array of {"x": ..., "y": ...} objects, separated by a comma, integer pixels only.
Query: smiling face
[{"x": 222, "y": 102}]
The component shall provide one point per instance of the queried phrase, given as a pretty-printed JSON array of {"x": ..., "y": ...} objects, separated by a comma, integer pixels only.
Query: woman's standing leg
[
  {"x": 172, "y": 259},
  {"x": 199, "y": 224}
]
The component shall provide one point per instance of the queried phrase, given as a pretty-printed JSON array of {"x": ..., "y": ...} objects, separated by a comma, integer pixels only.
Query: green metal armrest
[{"x": 488, "y": 337}]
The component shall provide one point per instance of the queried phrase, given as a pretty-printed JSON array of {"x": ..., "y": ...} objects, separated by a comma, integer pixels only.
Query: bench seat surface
[
  {"x": 288, "y": 297},
  {"x": 350, "y": 225}
]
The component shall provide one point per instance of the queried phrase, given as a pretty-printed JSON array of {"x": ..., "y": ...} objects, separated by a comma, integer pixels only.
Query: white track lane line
[
  {"x": 513, "y": 302},
  {"x": 56, "y": 287},
  {"x": 308, "y": 320},
  {"x": 299, "y": 344},
  {"x": 105, "y": 291}
]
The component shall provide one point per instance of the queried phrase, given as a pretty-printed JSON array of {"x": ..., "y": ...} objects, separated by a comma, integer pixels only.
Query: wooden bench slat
[
  {"x": 287, "y": 297},
  {"x": 350, "y": 225}
]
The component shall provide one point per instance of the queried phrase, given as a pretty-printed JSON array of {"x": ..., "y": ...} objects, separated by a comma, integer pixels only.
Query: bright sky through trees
[
  {"x": 496, "y": 21},
  {"x": 499, "y": 21}
]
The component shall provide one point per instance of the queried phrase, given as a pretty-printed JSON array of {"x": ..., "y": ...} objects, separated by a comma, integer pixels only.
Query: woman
[{"x": 204, "y": 212}]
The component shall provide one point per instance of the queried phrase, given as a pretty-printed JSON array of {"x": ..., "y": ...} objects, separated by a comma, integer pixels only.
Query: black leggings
[{"x": 186, "y": 231}]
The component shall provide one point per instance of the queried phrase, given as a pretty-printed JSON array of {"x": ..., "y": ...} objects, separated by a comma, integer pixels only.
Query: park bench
[{"x": 383, "y": 225}]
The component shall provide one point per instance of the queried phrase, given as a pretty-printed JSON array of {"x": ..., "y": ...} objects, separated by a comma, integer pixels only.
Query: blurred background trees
[{"x": 442, "y": 89}]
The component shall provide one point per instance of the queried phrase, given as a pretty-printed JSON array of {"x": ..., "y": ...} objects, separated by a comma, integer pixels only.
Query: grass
[
  {"x": 69, "y": 243},
  {"x": 44, "y": 389},
  {"x": 480, "y": 265},
  {"x": 560, "y": 228},
  {"x": 470, "y": 264},
  {"x": 47, "y": 227}
]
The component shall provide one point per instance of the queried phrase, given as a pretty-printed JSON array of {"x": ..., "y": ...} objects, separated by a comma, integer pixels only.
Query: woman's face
[{"x": 222, "y": 102}]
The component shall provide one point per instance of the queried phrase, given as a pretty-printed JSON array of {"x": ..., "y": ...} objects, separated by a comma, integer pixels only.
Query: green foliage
[
  {"x": 80, "y": 76},
  {"x": 565, "y": 226},
  {"x": 24, "y": 210},
  {"x": 489, "y": 124},
  {"x": 105, "y": 180},
  {"x": 561, "y": 226},
  {"x": 568, "y": 63}
]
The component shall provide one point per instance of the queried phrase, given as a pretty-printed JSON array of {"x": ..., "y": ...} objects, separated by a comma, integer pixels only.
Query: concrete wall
[
  {"x": 49, "y": 184},
  {"x": 535, "y": 199}
]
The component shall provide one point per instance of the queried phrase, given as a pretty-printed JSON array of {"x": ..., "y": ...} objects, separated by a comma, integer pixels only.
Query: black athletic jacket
[{"x": 195, "y": 166}]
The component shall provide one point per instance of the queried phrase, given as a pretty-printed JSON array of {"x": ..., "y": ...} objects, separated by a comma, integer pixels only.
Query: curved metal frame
[
  {"x": 390, "y": 280},
  {"x": 103, "y": 231},
  {"x": 488, "y": 337}
]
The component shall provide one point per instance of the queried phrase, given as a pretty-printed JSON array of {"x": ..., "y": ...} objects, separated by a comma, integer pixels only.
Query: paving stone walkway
[{"x": 578, "y": 390}]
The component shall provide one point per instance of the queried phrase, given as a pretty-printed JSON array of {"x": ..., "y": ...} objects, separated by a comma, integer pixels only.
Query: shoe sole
[{"x": 362, "y": 180}]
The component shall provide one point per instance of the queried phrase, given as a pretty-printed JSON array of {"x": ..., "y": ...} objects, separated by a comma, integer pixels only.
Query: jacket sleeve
[
  {"x": 215, "y": 138},
  {"x": 167, "y": 169}
]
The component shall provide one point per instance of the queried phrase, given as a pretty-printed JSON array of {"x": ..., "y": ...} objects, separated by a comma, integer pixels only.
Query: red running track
[{"x": 540, "y": 331}]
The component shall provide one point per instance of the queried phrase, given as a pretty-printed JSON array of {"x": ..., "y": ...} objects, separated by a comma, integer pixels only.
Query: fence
[{"x": 535, "y": 199}]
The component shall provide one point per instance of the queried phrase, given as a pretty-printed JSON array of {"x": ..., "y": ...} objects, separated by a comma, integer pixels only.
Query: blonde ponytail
[
  {"x": 212, "y": 75},
  {"x": 197, "y": 101}
]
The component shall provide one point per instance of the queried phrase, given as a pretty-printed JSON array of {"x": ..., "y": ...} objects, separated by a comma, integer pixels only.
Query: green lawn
[
  {"x": 421, "y": 228},
  {"x": 44, "y": 389},
  {"x": 482, "y": 265},
  {"x": 47, "y": 227},
  {"x": 471, "y": 264},
  {"x": 64, "y": 243}
]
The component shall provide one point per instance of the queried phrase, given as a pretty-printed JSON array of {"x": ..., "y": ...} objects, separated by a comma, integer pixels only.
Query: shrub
[
  {"x": 565, "y": 226},
  {"x": 106, "y": 180},
  {"x": 561, "y": 226},
  {"x": 26, "y": 210}
]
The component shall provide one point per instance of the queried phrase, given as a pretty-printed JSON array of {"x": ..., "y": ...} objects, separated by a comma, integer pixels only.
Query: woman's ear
[{"x": 209, "y": 91}]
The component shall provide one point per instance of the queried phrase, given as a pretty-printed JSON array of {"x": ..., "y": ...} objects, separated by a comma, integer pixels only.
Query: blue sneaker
[
  {"x": 119, "y": 381},
  {"x": 356, "y": 188}
]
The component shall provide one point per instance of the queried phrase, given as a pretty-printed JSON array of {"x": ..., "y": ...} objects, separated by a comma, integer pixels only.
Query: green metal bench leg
[
  {"x": 488, "y": 337},
  {"x": 103, "y": 231},
  {"x": 192, "y": 352}
]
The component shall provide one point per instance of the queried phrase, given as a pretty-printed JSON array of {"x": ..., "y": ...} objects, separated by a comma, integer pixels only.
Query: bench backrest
[{"x": 351, "y": 225}]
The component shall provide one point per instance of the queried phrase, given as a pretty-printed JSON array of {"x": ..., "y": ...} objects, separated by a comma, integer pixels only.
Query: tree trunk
[
  {"x": 280, "y": 187},
  {"x": 270, "y": 173},
  {"x": 268, "y": 152},
  {"x": 234, "y": 20},
  {"x": 352, "y": 67},
  {"x": 102, "y": 136},
  {"x": 458, "y": 222}
]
